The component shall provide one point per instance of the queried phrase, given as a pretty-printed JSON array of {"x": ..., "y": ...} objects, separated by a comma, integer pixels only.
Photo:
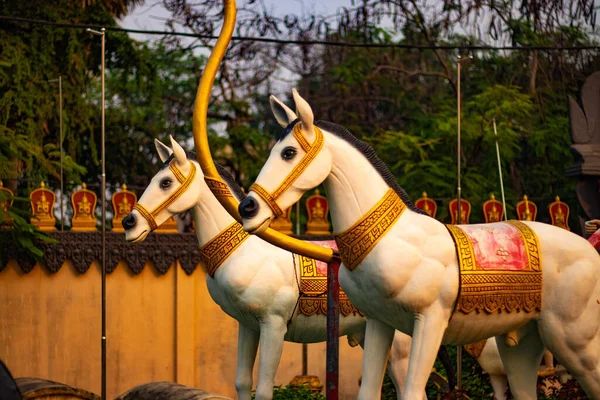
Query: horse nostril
[
  {"x": 248, "y": 208},
  {"x": 128, "y": 222}
]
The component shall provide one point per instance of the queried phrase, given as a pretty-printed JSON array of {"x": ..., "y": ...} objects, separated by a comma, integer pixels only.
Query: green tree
[{"x": 31, "y": 57}]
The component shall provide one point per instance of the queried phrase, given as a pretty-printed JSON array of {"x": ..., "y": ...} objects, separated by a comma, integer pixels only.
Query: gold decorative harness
[
  {"x": 185, "y": 183},
  {"x": 311, "y": 152},
  {"x": 356, "y": 242},
  {"x": 219, "y": 248}
]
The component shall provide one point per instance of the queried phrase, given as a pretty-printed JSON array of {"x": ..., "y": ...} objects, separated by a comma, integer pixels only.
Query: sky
[{"x": 152, "y": 16}]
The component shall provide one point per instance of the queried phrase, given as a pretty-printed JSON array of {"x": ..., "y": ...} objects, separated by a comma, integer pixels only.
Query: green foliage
[
  {"x": 32, "y": 57},
  {"x": 24, "y": 235},
  {"x": 290, "y": 392}
]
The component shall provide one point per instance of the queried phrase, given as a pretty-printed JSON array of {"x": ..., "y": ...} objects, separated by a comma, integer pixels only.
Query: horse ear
[
  {"x": 179, "y": 152},
  {"x": 305, "y": 114},
  {"x": 164, "y": 152},
  {"x": 283, "y": 114}
]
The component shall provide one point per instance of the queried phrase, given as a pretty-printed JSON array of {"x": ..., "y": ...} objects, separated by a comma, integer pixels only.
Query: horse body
[
  {"x": 410, "y": 280},
  {"x": 257, "y": 284}
]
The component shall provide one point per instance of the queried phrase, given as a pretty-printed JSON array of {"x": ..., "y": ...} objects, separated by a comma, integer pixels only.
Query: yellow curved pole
[{"x": 199, "y": 125}]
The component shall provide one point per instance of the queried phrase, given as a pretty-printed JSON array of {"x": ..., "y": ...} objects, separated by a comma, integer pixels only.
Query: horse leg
[
  {"x": 272, "y": 332},
  {"x": 378, "y": 339},
  {"x": 426, "y": 339},
  {"x": 247, "y": 347},
  {"x": 577, "y": 348},
  {"x": 398, "y": 362},
  {"x": 499, "y": 385},
  {"x": 521, "y": 364}
]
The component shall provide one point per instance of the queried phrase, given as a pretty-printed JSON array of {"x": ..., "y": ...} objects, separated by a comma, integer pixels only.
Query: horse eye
[
  {"x": 165, "y": 183},
  {"x": 288, "y": 153}
]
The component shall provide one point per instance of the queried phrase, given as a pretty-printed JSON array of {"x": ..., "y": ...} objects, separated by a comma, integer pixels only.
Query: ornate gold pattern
[
  {"x": 219, "y": 248},
  {"x": 357, "y": 241},
  {"x": 218, "y": 187},
  {"x": 313, "y": 291},
  {"x": 311, "y": 153},
  {"x": 185, "y": 183},
  {"x": 498, "y": 290}
]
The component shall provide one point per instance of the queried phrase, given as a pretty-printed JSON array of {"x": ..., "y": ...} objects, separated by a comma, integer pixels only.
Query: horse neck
[
  {"x": 209, "y": 216},
  {"x": 353, "y": 186}
]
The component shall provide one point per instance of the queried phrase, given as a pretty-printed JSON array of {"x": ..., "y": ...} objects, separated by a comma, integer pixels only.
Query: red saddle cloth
[
  {"x": 500, "y": 267},
  {"x": 595, "y": 239},
  {"x": 313, "y": 286}
]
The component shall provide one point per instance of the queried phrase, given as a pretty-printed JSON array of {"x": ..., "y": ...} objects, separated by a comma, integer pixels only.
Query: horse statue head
[
  {"x": 298, "y": 162},
  {"x": 174, "y": 189}
]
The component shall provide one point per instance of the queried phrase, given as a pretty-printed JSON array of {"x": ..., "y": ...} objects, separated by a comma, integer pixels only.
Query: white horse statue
[
  {"x": 251, "y": 280},
  {"x": 409, "y": 272}
]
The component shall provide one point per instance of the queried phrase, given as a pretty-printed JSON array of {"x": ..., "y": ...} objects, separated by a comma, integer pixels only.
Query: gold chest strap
[
  {"x": 311, "y": 152},
  {"x": 357, "y": 242},
  {"x": 185, "y": 184},
  {"x": 218, "y": 249}
]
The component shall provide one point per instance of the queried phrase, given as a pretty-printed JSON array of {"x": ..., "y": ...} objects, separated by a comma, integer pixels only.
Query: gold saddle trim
[
  {"x": 498, "y": 290},
  {"x": 313, "y": 291}
]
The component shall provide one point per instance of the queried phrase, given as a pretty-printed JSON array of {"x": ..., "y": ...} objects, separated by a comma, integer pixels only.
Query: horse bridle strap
[
  {"x": 219, "y": 248},
  {"x": 185, "y": 184},
  {"x": 356, "y": 243},
  {"x": 311, "y": 152}
]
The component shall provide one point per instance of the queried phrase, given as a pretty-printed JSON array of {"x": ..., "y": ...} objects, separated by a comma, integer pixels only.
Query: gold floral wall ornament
[
  {"x": 5, "y": 206},
  {"x": 559, "y": 213},
  {"x": 526, "y": 209},
  {"x": 426, "y": 204},
  {"x": 122, "y": 203},
  {"x": 84, "y": 207},
  {"x": 465, "y": 211},
  {"x": 283, "y": 223},
  {"x": 317, "y": 208},
  {"x": 42, "y": 208},
  {"x": 493, "y": 210}
]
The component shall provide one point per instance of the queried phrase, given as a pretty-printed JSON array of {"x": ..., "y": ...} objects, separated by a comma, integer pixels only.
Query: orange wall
[{"x": 159, "y": 327}]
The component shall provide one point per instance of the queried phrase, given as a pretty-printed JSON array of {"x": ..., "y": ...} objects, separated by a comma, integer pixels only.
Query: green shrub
[{"x": 290, "y": 392}]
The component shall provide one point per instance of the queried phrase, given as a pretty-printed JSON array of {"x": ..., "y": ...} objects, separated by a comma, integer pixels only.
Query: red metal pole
[{"x": 333, "y": 330}]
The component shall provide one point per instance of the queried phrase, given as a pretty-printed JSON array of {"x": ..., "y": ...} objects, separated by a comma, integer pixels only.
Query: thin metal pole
[
  {"x": 333, "y": 329},
  {"x": 60, "y": 143},
  {"x": 62, "y": 193},
  {"x": 500, "y": 170},
  {"x": 102, "y": 33},
  {"x": 458, "y": 217},
  {"x": 304, "y": 345}
]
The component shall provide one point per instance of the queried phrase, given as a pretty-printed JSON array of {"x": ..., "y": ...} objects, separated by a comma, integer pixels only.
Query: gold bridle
[
  {"x": 311, "y": 152},
  {"x": 185, "y": 183}
]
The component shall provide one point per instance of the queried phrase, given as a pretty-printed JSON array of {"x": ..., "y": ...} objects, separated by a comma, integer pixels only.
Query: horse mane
[
  {"x": 229, "y": 180},
  {"x": 371, "y": 156}
]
